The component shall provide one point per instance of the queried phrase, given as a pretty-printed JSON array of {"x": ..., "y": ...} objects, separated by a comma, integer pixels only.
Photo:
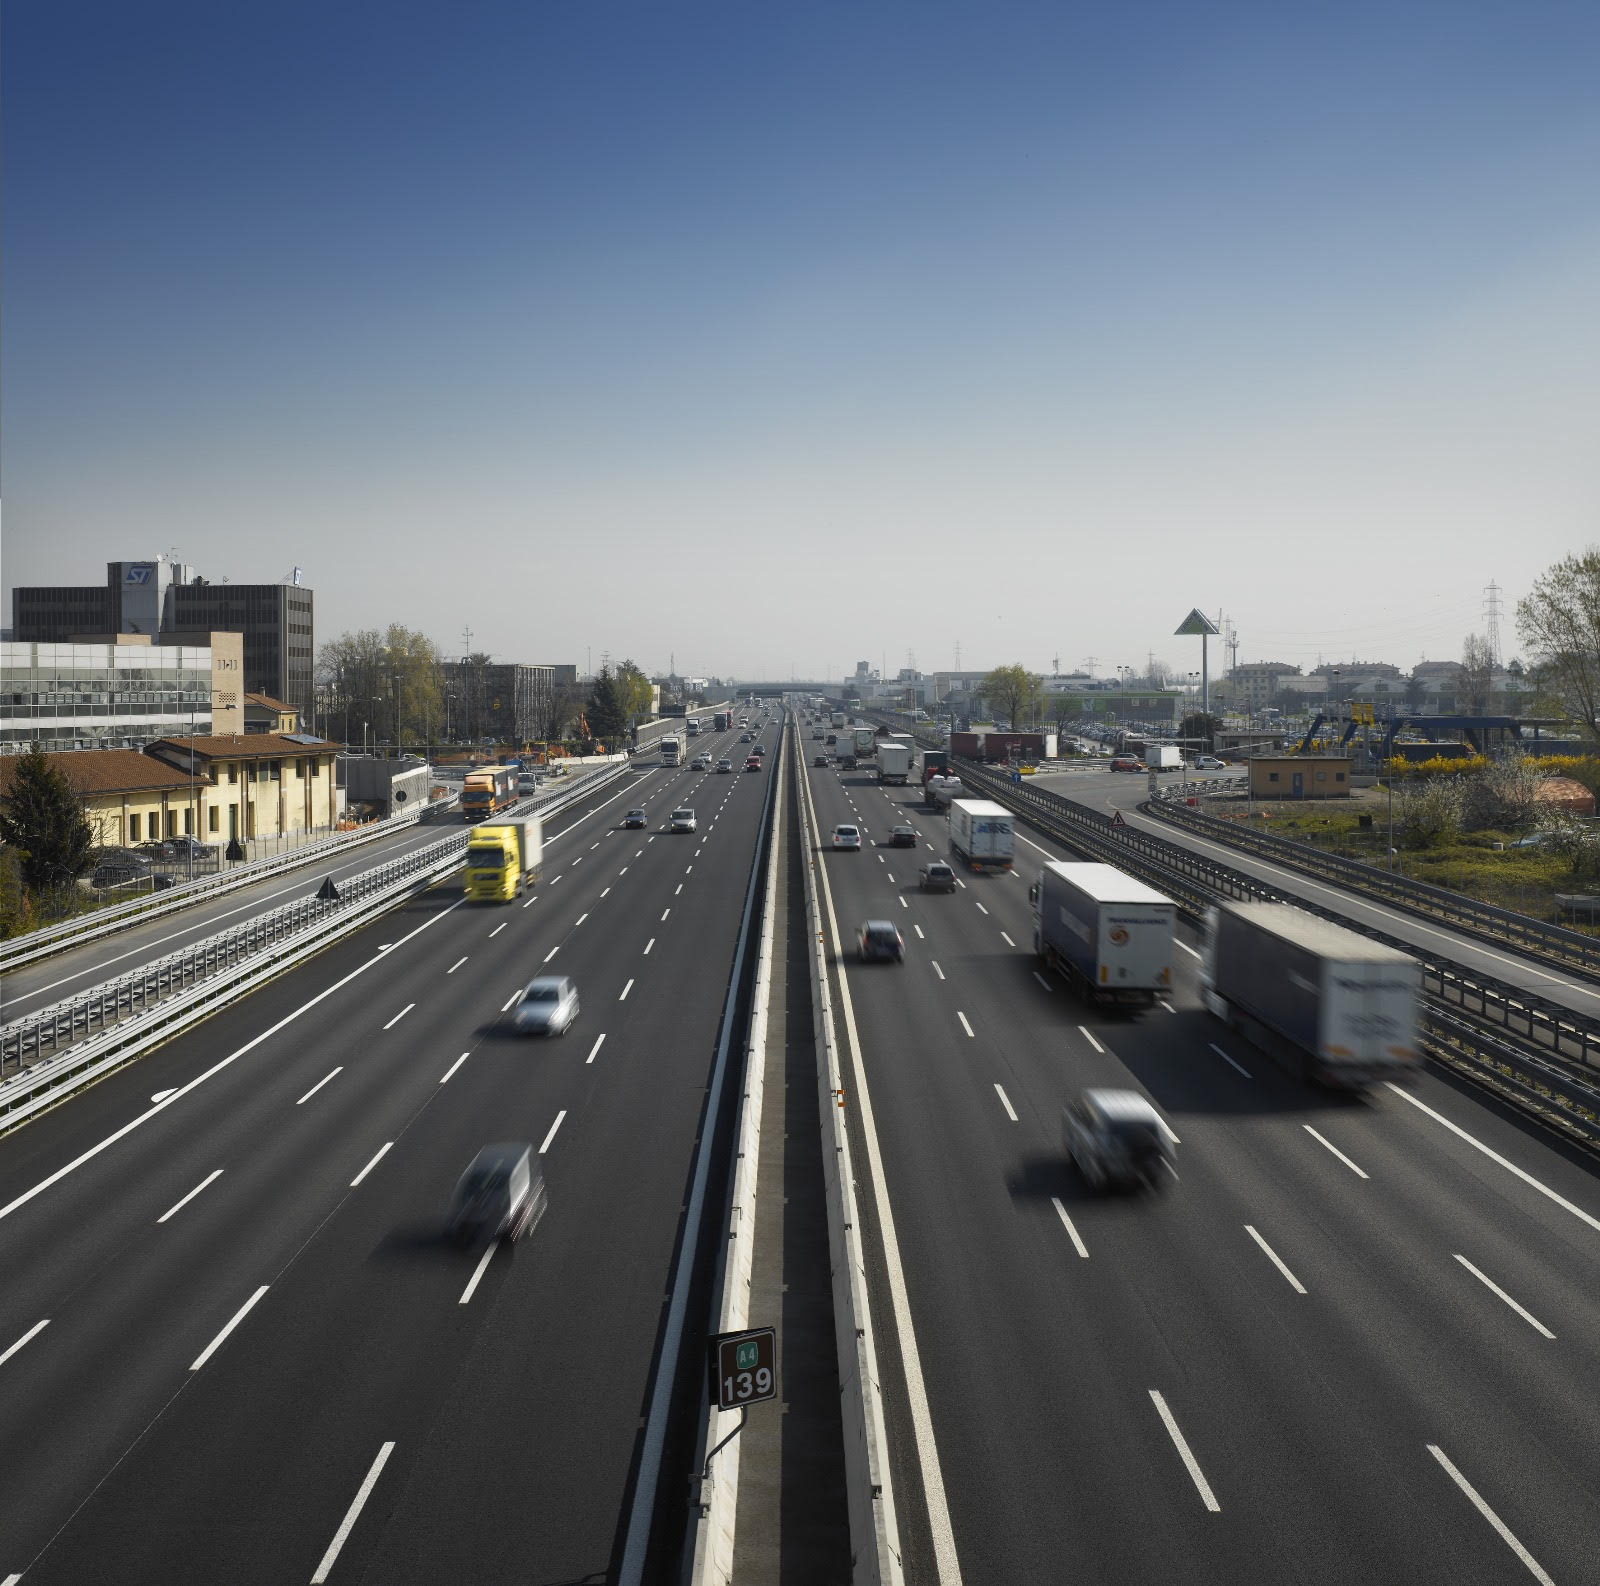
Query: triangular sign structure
[
  {"x": 1197, "y": 622},
  {"x": 328, "y": 892},
  {"x": 1116, "y": 818}
]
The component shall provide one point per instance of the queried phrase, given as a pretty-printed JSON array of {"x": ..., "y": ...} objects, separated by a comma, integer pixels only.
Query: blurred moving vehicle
[
  {"x": 502, "y": 1193},
  {"x": 504, "y": 859},
  {"x": 547, "y": 1006},
  {"x": 880, "y": 941},
  {"x": 937, "y": 877},
  {"x": 1117, "y": 1139}
]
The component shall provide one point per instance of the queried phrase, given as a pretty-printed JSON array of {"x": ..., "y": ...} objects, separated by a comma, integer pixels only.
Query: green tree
[
  {"x": 1559, "y": 620},
  {"x": 635, "y": 691},
  {"x": 16, "y": 906},
  {"x": 1011, "y": 691},
  {"x": 605, "y": 712},
  {"x": 1200, "y": 725},
  {"x": 42, "y": 819},
  {"x": 390, "y": 685}
]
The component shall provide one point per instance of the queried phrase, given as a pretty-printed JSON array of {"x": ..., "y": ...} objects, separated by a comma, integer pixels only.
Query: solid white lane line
[
  {"x": 1185, "y": 946},
  {"x": 453, "y": 1067},
  {"x": 1083, "y": 1030},
  {"x": 1190, "y": 1463},
  {"x": 552, "y": 953},
  {"x": 599, "y": 1041},
  {"x": 1333, "y": 1148},
  {"x": 400, "y": 1015},
  {"x": 383, "y": 1151},
  {"x": 918, "y": 930},
  {"x": 497, "y": 930},
  {"x": 238, "y": 1316},
  {"x": 1007, "y": 940},
  {"x": 648, "y": 945},
  {"x": 580, "y": 919},
  {"x": 352, "y": 1514},
  {"x": 1005, "y": 1101},
  {"x": 505, "y": 1006},
  {"x": 1500, "y": 1526},
  {"x": 172, "y": 1211},
  {"x": 318, "y": 1086},
  {"x": 1042, "y": 981},
  {"x": 1072, "y": 1233},
  {"x": 625, "y": 990},
  {"x": 936, "y": 969},
  {"x": 456, "y": 965},
  {"x": 1494, "y": 1288},
  {"x": 32, "y": 1333},
  {"x": 664, "y": 914},
  {"x": 1494, "y": 1156},
  {"x": 964, "y": 1025},
  {"x": 1272, "y": 1256},
  {"x": 553, "y": 1127},
  {"x": 1226, "y": 1059}
]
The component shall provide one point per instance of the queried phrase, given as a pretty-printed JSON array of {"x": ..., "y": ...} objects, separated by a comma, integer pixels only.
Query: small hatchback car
[
  {"x": 880, "y": 941},
  {"x": 547, "y": 1007},
  {"x": 724, "y": 764},
  {"x": 937, "y": 877},
  {"x": 847, "y": 837}
]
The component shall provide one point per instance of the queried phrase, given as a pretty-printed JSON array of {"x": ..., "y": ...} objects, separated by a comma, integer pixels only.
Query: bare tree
[
  {"x": 1475, "y": 683},
  {"x": 1559, "y": 620}
]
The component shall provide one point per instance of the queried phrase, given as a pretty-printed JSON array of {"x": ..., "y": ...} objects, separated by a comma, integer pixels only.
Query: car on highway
[
  {"x": 759, "y": 750},
  {"x": 936, "y": 876},
  {"x": 701, "y": 762},
  {"x": 681, "y": 819},
  {"x": 847, "y": 837},
  {"x": 903, "y": 837},
  {"x": 832, "y": 737},
  {"x": 880, "y": 941},
  {"x": 724, "y": 764},
  {"x": 635, "y": 820},
  {"x": 1117, "y": 1139},
  {"x": 752, "y": 762},
  {"x": 820, "y": 759},
  {"x": 746, "y": 737},
  {"x": 1125, "y": 762},
  {"x": 502, "y": 1193},
  {"x": 1209, "y": 762},
  {"x": 547, "y": 1006}
]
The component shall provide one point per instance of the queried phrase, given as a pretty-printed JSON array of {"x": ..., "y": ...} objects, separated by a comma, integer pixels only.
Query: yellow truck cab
[{"x": 503, "y": 859}]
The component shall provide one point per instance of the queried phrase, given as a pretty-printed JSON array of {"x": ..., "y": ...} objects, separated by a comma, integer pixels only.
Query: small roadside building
[
  {"x": 1300, "y": 776},
  {"x": 128, "y": 797},
  {"x": 259, "y": 784}
]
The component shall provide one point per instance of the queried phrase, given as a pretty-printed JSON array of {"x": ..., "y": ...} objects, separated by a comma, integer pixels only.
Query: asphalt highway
[
  {"x": 234, "y": 1346},
  {"x": 1351, "y": 1341}
]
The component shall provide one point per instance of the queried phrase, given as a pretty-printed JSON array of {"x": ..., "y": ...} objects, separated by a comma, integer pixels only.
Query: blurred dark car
[{"x": 1116, "y": 1139}]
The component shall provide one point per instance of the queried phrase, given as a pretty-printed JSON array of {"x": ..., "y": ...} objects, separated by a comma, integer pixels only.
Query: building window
[
  {"x": 1338, "y": 776},
  {"x": 188, "y": 823},
  {"x": 214, "y": 823},
  {"x": 1272, "y": 776},
  {"x": 300, "y": 769},
  {"x": 233, "y": 772},
  {"x": 133, "y": 828}
]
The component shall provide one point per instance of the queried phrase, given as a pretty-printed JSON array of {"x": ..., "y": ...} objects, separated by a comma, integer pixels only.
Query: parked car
[
  {"x": 937, "y": 877},
  {"x": 847, "y": 837},
  {"x": 903, "y": 837},
  {"x": 1116, "y": 1138},
  {"x": 635, "y": 819},
  {"x": 502, "y": 1193},
  {"x": 547, "y": 1006},
  {"x": 880, "y": 941}
]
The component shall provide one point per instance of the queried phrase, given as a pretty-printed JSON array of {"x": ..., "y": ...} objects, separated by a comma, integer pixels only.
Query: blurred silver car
[{"x": 547, "y": 1007}]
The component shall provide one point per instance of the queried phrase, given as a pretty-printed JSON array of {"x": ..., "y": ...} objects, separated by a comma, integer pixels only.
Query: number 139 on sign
[{"x": 744, "y": 1367}]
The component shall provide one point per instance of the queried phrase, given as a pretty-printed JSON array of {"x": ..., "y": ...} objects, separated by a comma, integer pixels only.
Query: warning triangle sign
[{"x": 1116, "y": 818}]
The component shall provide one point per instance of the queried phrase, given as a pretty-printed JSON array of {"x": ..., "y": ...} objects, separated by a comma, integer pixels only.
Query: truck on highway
[
  {"x": 1328, "y": 1003},
  {"x": 984, "y": 834},
  {"x": 488, "y": 791},
  {"x": 836, "y": 719},
  {"x": 672, "y": 748},
  {"x": 721, "y": 720},
  {"x": 844, "y": 751},
  {"x": 693, "y": 725},
  {"x": 934, "y": 762},
  {"x": 1106, "y": 933},
  {"x": 1163, "y": 757},
  {"x": 503, "y": 859},
  {"x": 866, "y": 741},
  {"x": 894, "y": 763},
  {"x": 938, "y": 791}
]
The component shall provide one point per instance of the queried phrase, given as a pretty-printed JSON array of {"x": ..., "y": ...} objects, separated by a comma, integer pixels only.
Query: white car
[
  {"x": 847, "y": 837},
  {"x": 681, "y": 820},
  {"x": 547, "y": 1007},
  {"x": 1209, "y": 762}
]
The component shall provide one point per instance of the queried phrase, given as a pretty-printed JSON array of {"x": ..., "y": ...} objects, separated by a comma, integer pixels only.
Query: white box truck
[
  {"x": 1105, "y": 932},
  {"x": 984, "y": 834},
  {"x": 894, "y": 762},
  {"x": 1163, "y": 757},
  {"x": 1330, "y": 1004}
]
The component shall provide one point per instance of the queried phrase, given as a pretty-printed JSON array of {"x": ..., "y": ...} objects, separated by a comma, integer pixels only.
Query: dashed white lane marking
[
  {"x": 964, "y": 1025},
  {"x": 1042, "y": 981},
  {"x": 318, "y": 1086},
  {"x": 1007, "y": 940},
  {"x": 32, "y": 1333},
  {"x": 1005, "y": 1101},
  {"x": 1226, "y": 1059},
  {"x": 383, "y": 1151},
  {"x": 1072, "y": 1233},
  {"x": 1190, "y": 1463},
  {"x": 936, "y": 969},
  {"x": 400, "y": 1015},
  {"x": 1186, "y": 947},
  {"x": 352, "y": 1514},
  {"x": 677, "y": 889},
  {"x": 1322, "y": 1141},
  {"x": 531, "y": 901},
  {"x": 664, "y": 914},
  {"x": 1272, "y": 1256},
  {"x": 1500, "y": 1526},
  {"x": 506, "y": 1006},
  {"x": 606, "y": 890},
  {"x": 456, "y": 965},
  {"x": 238, "y": 1316},
  {"x": 553, "y": 882},
  {"x": 497, "y": 930},
  {"x": 1494, "y": 1288},
  {"x": 1167, "y": 1005},
  {"x": 171, "y": 1211},
  {"x": 918, "y": 930},
  {"x": 452, "y": 1068},
  {"x": 648, "y": 945},
  {"x": 981, "y": 908},
  {"x": 552, "y": 953},
  {"x": 1084, "y": 1031},
  {"x": 478, "y": 1271},
  {"x": 599, "y": 1041},
  {"x": 905, "y": 905},
  {"x": 625, "y": 990},
  {"x": 553, "y": 1127}
]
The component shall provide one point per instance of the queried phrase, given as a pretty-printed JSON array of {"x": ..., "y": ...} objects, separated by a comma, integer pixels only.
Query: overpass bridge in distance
[{"x": 778, "y": 690}]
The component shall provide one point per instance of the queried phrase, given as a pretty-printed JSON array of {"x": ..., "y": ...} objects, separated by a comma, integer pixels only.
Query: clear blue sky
[{"x": 777, "y": 337}]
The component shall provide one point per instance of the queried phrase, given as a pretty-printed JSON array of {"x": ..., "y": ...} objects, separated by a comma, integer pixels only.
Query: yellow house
[
  {"x": 128, "y": 797},
  {"x": 263, "y": 713},
  {"x": 259, "y": 784},
  {"x": 1300, "y": 776}
]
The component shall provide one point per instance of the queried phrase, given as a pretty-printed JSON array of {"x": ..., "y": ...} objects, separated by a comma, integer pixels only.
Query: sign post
[{"x": 744, "y": 1371}]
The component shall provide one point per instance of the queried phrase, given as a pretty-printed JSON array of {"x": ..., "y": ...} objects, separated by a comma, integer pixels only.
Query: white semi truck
[
  {"x": 1107, "y": 933},
  {"x": 894, "y": 762},
  {"x": 984, "y": 834}
]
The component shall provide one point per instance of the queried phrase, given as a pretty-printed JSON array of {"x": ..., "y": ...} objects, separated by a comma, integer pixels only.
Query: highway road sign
[{"x": 744, "y": 1367}]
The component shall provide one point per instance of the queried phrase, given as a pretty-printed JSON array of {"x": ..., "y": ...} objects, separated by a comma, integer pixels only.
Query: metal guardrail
[
  {"x": 1552, "y": 944},
  {"x": 128, "y": 1000}
]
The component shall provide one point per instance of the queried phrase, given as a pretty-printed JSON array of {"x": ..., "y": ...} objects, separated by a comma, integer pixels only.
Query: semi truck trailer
[
  {"x": 984, "y": 834},
  {"x": 1106, "y": 933},
  {"x": 504, "y": 859},
  {"x": 488, "y": 791},
  {"x": 894, "y": 763}
]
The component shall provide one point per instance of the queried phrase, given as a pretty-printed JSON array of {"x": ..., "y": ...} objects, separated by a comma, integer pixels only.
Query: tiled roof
[
  {"x": 267, "y": 702},
  {"x": 105, "y": 771},
  {"x": 242, "y": 746}
]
